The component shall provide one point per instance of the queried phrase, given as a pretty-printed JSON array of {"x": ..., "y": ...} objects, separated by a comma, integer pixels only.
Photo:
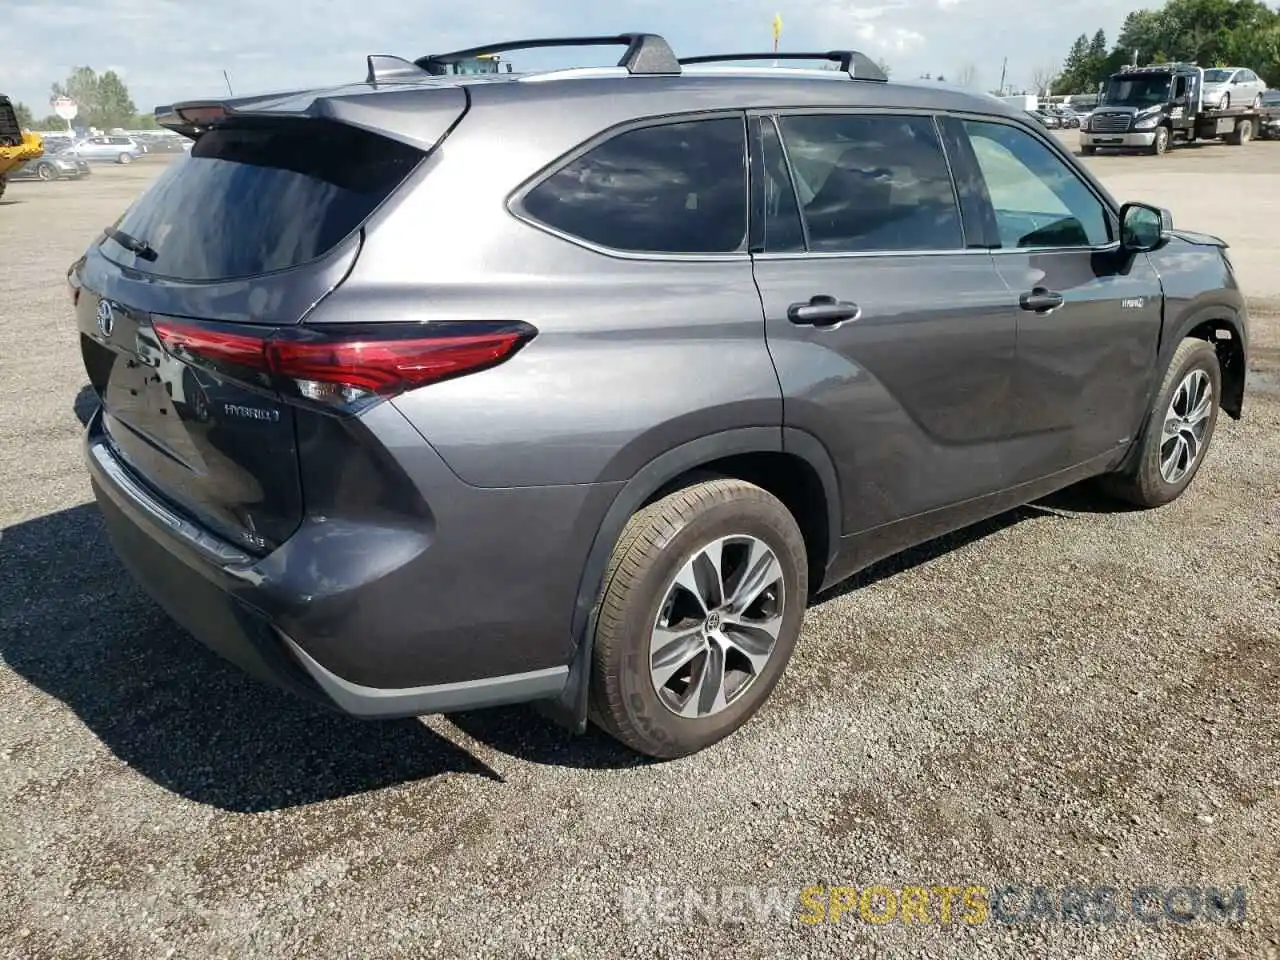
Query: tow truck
[
  {"x": 1152, "y": 107},
  {"x": 482, "y": 63}
]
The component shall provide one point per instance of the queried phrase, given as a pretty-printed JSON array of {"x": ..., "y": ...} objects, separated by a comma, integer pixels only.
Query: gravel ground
[{"x": 1063, "y": 696}]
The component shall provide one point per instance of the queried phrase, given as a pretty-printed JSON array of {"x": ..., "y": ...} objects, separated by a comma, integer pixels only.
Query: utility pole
[
  {"x": 228, "y": 79},
  {"x": 1003, "y": 67}
]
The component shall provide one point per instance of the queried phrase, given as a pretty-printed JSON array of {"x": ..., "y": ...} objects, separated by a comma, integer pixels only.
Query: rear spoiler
[
  {"x": 402, "y": 114},
  {"x": 191, "y": 118}
]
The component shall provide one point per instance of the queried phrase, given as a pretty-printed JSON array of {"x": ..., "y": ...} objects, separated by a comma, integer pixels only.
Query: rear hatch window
[
  {"x": 256, "y": 197},
  {"x": 252, "y": 200}
]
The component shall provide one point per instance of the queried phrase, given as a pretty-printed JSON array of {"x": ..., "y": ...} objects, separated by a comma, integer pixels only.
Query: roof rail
[
  {"x": 853, "y": 62},
  {"x": 647, "y": 53},
  {"x": 385, "y": 68}
]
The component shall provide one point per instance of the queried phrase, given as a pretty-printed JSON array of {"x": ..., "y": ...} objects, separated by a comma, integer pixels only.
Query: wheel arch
[
  {"x": 791, "y": 464},
  {"x": 1222, "y": 327}
]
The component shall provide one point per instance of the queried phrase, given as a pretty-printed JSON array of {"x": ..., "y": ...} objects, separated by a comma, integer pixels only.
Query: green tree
[
  {"x": 1239, "y": 33},
  {"x": 82, "y": 87},
  {"x": 884, "y": 66},
  {"x": 104, "y": 100},
  {"x": 1098, "y": 46},
  {"x": 1075, "y": 68},
  {"x": 25, "y": 120},
  {"x": 115, "y": 108}
]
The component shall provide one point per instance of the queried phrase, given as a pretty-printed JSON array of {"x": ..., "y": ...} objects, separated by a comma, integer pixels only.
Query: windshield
[
  {"x": 1272, "y": 99},
  {"x": 1217, "y": 76},
  {"x": 1137, "y": 91}
]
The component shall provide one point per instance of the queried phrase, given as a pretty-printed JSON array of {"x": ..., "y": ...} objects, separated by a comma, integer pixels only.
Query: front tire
[
  {"x": 124, "y": 158},
  {"x": 1161, "y": 144},
  {"x": 1178, "y": 430},
  {"x": 700, "y": 612},
  {"x": 47, "y": 172}
]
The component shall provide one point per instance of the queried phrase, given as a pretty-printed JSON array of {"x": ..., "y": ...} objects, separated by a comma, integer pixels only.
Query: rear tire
[
  {"x": 1177, "y": 432},
  {"x": 727, "y": 634},
  {"x": 1242, "y": 134},
  {"x": 4, "y": 182},
  {"x": 47, "y": 172}
]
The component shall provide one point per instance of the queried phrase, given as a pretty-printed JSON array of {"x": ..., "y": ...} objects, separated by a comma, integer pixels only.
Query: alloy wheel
[
  {"x": 1185, "y": 426},
  {"x": 717, "y": 626}
]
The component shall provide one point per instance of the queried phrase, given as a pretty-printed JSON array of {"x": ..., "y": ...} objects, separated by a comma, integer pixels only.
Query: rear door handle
[
  {"x": 823, "y": 311},
  {"x": 1041, "y": 300}
]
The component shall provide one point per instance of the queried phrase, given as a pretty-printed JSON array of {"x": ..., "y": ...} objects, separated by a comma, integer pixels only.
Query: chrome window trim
[{"x": 971, "y": 251}]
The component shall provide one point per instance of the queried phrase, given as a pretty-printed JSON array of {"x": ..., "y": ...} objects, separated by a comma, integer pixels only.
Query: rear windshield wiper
[{"x": 130, "y": 242}]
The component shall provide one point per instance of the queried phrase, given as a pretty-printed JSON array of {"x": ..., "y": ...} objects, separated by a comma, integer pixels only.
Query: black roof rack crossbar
[
  {"x": 647, "y": 53},
  {"x": 853, "y": 62},
  {"x": 385, "y": 68}
]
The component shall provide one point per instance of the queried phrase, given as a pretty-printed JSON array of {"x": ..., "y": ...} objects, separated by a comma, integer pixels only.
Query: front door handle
[
  {"x": 1041, "y": 300},
  {"x": 823, "y": 311}
]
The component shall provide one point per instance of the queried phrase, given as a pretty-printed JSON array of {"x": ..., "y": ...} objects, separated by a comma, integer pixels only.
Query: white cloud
[{"x": 173, "y": 49}]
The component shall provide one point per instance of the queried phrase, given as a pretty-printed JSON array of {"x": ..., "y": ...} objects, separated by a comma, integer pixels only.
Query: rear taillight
[{"x": 341, "y": 367}]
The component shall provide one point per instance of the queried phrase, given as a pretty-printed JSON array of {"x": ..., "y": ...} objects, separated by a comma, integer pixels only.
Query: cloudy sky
[{"x": 173, "y": 49}]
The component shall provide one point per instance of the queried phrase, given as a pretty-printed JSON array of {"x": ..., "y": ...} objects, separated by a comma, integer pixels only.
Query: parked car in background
[
  {"x": 56, "y": 164},
  {"x": 162, "y": 142},
  {"x": 1069, "y": 117},
  {"x": 112, "y": 149},
  {"x": 1226, "y": 87},
  {"x": 1050, "y": 120}
]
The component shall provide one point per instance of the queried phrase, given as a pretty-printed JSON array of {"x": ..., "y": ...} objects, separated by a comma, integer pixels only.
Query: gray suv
[{"x": 577, "y": 386}]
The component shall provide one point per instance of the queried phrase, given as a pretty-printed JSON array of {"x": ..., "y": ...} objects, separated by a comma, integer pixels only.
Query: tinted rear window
[
  {"x": 254, "y": 198},
  {"x": 673, "y": 188}
]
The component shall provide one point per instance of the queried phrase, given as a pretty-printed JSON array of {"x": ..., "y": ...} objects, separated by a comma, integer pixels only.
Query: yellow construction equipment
[{"x": 16, "y": 147}]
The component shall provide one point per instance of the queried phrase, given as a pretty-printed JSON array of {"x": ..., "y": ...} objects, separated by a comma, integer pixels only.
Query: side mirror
[{"x": 1143, "y": 227}]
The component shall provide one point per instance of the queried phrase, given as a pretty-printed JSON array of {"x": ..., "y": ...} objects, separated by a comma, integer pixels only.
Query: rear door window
[
  {"x": 872, "y": 183},
  {"x": 254, "y": 198},
  {"x": 676, "y": 187}
]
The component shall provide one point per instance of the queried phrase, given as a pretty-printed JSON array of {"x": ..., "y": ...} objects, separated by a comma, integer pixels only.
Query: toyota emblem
[{"x": 106, "y": 318}]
